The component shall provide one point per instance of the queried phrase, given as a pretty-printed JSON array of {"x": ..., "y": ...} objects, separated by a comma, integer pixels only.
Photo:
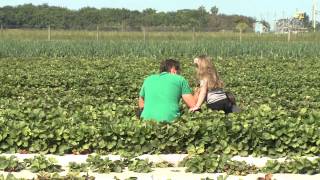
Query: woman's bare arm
[{"x": 201, "y": 95}]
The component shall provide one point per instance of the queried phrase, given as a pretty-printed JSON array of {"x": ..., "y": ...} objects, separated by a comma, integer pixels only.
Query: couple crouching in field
[{"x": 160, "y": 94}]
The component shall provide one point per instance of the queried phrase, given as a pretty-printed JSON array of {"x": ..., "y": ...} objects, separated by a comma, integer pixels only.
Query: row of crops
[
  {"x": 54, "y": 34},
  {"x": 80, "y": 105},
  {"x": 157, "y": 48},
  {"x": 200, "y": 163}
]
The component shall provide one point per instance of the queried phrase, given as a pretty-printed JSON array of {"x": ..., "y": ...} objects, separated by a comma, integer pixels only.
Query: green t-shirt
[{"x": 162, "y": 94}]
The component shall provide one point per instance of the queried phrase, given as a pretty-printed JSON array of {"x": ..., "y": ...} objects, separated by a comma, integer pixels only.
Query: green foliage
[
  {"x": 71, "y": 175},
  {"x": 140, "y": 166},
  {"x": 89, "y": 18},
  {"x": 242, "y": 26},
  {"x": 211, "y": 163},
  {"x": 42, "y": 164},
  {"x": 196, "y": 163},
  {"x": 295, "y": 165},
  {"x": 97, "y": 164},
  {"x": 120, "y": 47},
  {"x": 220, "y": 177},
  {"x": 162, "y": 164},
  {"x": 76, "y": 167},
  {"x": 10, "y": 177},
  {"x": 11, "y": 164},
  {"x": 79, "y": 105},
  {"x": 239, "y": 168},
  {"x": 204, "y": 163}
]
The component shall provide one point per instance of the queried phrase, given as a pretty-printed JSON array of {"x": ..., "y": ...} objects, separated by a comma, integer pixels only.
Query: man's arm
[
  {"x": 189, "y": 100},
  {"x": 187, "y": 96},
  {"x": 140, "y": 107},
  {"x": 141, "y": 102}
]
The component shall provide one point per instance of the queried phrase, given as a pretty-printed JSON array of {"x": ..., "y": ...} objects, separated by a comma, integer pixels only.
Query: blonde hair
[{"x": 206, "y": 70}]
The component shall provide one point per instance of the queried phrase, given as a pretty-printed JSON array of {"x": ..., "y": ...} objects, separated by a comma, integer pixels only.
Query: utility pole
[
  {"x": 144, "y": 33},
  {"x": 122, "y": 26},
  {"x": 314, "y": 14},
  {"x": 49, "y": 33},
  {"x": 97, "y": 33},
  {"x": 193, "y": 34},
  {"x": 275, "y": 22}
]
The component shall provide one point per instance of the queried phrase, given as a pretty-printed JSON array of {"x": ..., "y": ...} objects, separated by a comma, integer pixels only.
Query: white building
[{"x": 260, "y": 28}]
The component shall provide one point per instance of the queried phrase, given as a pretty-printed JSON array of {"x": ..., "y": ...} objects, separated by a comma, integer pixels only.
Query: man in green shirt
[{"x": 161, "y": 93}]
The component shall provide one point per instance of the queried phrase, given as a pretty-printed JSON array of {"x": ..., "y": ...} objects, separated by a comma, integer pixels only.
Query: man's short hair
[{"x": 167, "y": 64}]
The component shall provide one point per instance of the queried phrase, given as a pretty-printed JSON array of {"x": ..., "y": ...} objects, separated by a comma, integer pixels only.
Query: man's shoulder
[
  {"x": 151, "y": 76},
  {"x": 180, "y": 77},
  {"x": 171, "y": 76}
]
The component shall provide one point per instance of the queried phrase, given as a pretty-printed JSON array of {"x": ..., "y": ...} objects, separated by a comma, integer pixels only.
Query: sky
[{"x": 268, "y": 10}]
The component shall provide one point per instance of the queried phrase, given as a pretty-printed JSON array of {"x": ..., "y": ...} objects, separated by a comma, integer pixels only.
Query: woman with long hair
[{"x": 211, "y": 87}]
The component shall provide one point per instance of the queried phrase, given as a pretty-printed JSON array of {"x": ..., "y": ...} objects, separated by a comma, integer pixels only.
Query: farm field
[
  {"x": 58, "y": 34},
  {"x": 79, "y": 97}
]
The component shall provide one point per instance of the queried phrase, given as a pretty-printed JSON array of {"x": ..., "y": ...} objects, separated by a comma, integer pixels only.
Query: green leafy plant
[
  {"x": 10, "y": 177},
  {"x": 239, "y": 168},
  {"x": 220, "y": 177},
  {"x": 162, "y": 164},
  {"x": 71, "y": 99},
  {"x": 11, "y": 164},
  {"x": 78, "y": 167},
  {"x": 97, "y": 164},
  {"x": 204, "y": 163},
  {"x": 212, "y": 163},
  {"x": 70, "y": 175},
  {"x": 295, "y": 165},
  {"x": 140, "y": 166},
  {"x": 40, "y": 163}
]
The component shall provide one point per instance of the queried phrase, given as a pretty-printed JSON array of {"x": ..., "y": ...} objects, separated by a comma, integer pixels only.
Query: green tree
[
  {"x": 214, "y": 10},
  {"x": 306, "y": 21},
  {"x": 41, "y": 16},
  {"x": 241, "y": 27}
]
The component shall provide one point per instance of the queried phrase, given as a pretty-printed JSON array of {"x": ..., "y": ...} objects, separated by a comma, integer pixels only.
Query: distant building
[
  {"x": 282, "y": 25},
  {"x": 294, "y": 24},
  {"x": 260, "y": 28}
]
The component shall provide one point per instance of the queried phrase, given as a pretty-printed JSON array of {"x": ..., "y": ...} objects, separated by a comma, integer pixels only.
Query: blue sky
[{"x": 260, "y": 9}]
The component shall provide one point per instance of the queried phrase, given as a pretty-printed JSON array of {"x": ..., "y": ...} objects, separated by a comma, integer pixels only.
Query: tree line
[{"x": 41, "y": 16}]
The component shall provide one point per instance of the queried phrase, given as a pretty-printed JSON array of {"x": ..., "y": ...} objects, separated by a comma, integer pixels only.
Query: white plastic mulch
[{"x": 174, "y": 173}]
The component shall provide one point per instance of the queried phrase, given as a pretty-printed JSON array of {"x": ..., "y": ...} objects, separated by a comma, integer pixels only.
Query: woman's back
[{"x": 215, "y": 96}]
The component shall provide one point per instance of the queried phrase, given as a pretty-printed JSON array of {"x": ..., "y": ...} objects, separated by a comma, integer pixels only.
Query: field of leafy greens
[{"x": 80, "y": 105}]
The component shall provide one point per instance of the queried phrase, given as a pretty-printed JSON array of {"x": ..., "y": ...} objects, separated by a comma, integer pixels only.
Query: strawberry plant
[
  {"x": 162, "y": 164},
  {"x": 78, "y": 167},
  {"x": 11, "y": 164},
  {"x": 75, "y": 105},
  {"x": 294, "y": 165},
  {"x": 10, "y": 177},
  {"x": 140, "y": 166},
  {"x": 97, "y": 164},
  {"x": 211, "y": 163},
  {"x": 41, "y": 163},
  {"x": 220, "y": 177},
  {"x": 71, "y": 175}
]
